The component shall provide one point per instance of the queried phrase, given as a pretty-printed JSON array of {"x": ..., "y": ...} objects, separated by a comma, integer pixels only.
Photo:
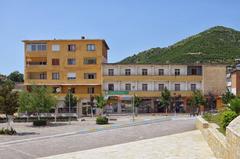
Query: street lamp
[
  {"x": 69, "y": 105},
  {"x": 133, "y": 114}
]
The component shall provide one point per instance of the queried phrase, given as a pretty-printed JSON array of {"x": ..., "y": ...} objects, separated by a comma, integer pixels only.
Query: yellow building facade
[{"x": 65, "y": 65}]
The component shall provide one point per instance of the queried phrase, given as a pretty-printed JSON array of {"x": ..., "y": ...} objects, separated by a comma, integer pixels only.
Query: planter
[{"x": 40, "y": 123}]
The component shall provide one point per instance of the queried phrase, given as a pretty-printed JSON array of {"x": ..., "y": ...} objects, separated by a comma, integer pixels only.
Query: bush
[
  {"x": 235, "y": 105},
  {"x": 31, "y": 119},
  {"x": 4, "y": 131},
  {"x": 40, "y": 123},
  {"x": 101, "y": 120},
  {"x": 227, "y": 117},
  {"x": 208, "y": 116}
]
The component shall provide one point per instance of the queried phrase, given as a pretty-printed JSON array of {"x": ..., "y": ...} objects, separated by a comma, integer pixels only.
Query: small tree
[
  {"x": 91, "y": 104},
  {"x": 70, "y": 98},
  {"x": 137, "y": 102},
  {"x": 16, "y": 76},
  {"x": 227, "y": 97},
  {"x": 8, "y": 99},
  {"x": 101, "y": 102},
  {"x": 196, "y": 100},
  {"x": 165, "y": 99},
  {"x": 235, "y": 105},
  {"x": 39, "y": 100}
]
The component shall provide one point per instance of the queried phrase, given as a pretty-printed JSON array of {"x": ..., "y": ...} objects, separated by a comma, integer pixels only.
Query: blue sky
[{"x": 128, "y": 26}]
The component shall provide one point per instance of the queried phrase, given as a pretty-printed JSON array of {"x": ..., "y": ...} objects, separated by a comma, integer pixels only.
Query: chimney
[{"x": 82, "y": 37}]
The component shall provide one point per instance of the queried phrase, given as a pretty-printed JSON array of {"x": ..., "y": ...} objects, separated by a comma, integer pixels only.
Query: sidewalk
[{"x": 188, "y": 145}]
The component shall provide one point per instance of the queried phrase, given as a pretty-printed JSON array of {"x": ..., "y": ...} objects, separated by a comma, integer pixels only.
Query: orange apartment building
[{"x": 66, "y": 64}]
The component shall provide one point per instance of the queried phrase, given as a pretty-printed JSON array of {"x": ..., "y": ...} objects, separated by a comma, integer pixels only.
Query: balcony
[
  {"x": 186, "y": 78},
  {"x": 153, "y": 93}
]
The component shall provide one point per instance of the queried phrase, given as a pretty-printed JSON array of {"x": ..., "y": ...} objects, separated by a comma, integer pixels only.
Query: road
[{"x": 72, "y": 142}]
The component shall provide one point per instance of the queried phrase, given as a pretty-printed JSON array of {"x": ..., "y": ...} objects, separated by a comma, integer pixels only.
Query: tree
[
  {"x": 8, "y": 99},
  {"x": 39, "y": 100},
  {"x": 16, "y": 76},
  {"x": 137, "y": 102},
  {"x": 70, "y": 98},
  {"x": 227, "y": 97},
  {"x": 101, "y": 102},
  {"x": 196, "y": 100},
  {"x": 165, "y": 99},
  {"x": 235, "y": 105}
]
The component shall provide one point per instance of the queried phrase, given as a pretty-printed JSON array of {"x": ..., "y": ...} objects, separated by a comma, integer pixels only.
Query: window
[
  {"x": 128, "y": 87},
  {"x": 144, "y": 72},
  {"x": 177, "y": 87},
  {"x": 71, "y": 61},
  {"x": 127, "y": 72},
  {"x": 90, "y": 61},
  {"x": 144, "y": 87},
  {"x": 160, "y": 72},
  {"x": 161, "y": 87},
  {"x": 43, "y": 75},
  {"x": 110, "y": 72},
  {"x": 193, "y": 87},
  {"x": 72, "y": 47},
  {"x": 89, "y": 75},
  {"x": 194, "y": 70},
  {"x": 90, "y": 90},
  {"x": 91, "y": 47},
  {"x": 55, "y": 47},
  {"x": 55, "y": 62},
  {"x": 55, "y": 76},
  {"x": 37, "y": 47},
  {"x": 111, "y": 87},
  {"x": 71, "y": 76},
  {"x": 177, "y": 72}
]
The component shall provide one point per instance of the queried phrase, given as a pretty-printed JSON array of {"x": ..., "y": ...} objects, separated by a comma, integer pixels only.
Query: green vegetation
[
  {"x": 101, "y": 102},
  {"x": 70, "y": 98},
  {"x": 40, "y": 122},
  {"x": 8, "y": 100},
  {"x": 217, "y": 45},
  {"x": 227, "y": 97},
  {"x": 39, "y": 100},
  {"x": 197, "y": 99},
  {"x": 101, "y": 120},
  {"x": 227, "y": 117},
  {"x": 231, "y": 111},
  {"x": 165, "y": 99},
  {"x": 15, "y": 76},
  {"x": 234, "y": 105},
  {"x": 8, "y": 131}
]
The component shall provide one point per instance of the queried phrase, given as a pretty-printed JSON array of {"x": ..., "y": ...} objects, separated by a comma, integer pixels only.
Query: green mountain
[{"x": 217, "y": 45}]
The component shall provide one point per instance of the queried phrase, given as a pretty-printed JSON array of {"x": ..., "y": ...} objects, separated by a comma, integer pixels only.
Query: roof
[
  {"x": 154, "y": 64},
  {"x": 105, "y": 43}
]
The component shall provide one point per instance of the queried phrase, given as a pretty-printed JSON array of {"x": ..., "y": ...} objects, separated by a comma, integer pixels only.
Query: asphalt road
[{"x": 76, "y": 142}]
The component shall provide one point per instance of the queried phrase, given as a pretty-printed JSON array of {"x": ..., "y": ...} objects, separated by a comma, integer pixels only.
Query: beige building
[{"x": 147, "y": 82}]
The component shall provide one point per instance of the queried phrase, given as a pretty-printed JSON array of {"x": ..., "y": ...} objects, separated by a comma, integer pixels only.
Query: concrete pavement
[
  {"x": 187, "y": 145},
  {"x": 77, "y": 142}
]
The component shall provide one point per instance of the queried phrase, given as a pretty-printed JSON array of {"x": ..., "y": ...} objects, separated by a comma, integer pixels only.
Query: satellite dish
[{"x": 58, "y": 90}]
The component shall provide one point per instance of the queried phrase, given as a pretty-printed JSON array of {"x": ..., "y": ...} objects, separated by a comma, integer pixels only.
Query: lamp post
[
  {"x": 133, "y": 113},
  {"x": 69, "y": 105}
]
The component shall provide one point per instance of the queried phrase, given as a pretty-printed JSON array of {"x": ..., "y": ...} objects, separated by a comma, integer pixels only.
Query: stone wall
[
  {"x": 224, "y": 147},
  {"x": 233, "y": 139}
]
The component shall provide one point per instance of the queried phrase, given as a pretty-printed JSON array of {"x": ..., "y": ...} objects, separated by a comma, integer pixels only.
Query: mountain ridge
[{"x": 216, "y": 45}]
